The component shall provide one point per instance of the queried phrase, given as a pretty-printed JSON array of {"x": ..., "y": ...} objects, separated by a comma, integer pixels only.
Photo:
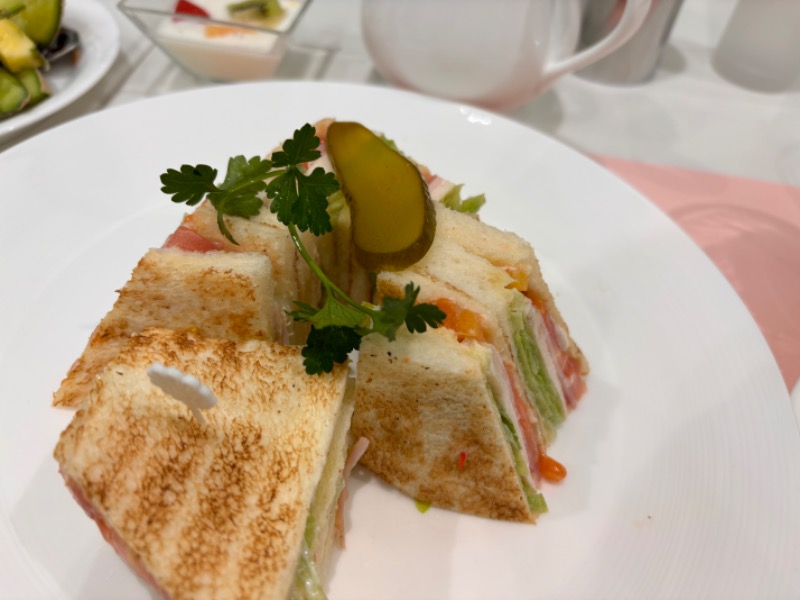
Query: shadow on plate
[{"x": 672, "y": 62}]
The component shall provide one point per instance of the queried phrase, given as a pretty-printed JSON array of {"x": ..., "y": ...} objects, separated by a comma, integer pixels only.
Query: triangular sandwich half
[
  {"x": 500, "y": 270},
  {"x": 239, "y": 507},
  {"x": 442, "y": 424},
  {"x": 514, "y": 310}
]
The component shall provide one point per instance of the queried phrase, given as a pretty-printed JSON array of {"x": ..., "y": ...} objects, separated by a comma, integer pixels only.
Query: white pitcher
[{"x": 494, "y": 53}]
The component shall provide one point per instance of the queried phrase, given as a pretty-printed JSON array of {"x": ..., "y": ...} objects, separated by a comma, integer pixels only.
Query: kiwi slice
[
  {"x": 40, "y": 20},
  {"x": 35, "y": 84},
  {"x": 8, "y": 8},
  {"x": 13, "y": 95}
]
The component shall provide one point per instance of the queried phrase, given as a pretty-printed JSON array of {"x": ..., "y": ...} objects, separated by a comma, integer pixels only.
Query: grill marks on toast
[
  {"x": 220, "y": 518},
  {"x": 219, "y": 295},
  {"x": 435, "y": 406},
  {"x": 210, "y": 511}
]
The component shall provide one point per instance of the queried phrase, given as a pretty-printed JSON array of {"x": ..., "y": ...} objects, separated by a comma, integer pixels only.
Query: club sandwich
[{"x": 490, "y": 285}]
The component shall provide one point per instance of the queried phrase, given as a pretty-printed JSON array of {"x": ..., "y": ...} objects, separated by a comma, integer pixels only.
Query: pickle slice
[{"x": 393, "y": 218}]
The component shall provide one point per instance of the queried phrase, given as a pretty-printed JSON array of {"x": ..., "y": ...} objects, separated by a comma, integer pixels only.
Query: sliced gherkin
[{"x": 393, "y": 218}]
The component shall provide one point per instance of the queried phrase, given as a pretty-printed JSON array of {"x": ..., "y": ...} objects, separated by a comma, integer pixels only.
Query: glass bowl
[{"x": 203, "y": 38}]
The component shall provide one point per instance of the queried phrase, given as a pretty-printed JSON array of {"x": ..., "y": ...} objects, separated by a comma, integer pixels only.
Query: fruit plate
[
  {"x": 683, "y": 457},
  {"x": 100, "y": 42}
]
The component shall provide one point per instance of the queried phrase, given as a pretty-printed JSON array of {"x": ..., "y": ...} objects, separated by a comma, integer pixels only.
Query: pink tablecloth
[{"x": 750, "y": 229}]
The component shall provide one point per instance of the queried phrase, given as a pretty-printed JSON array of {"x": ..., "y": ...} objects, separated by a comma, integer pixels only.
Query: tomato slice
[
  {"x": 570, "y": 379},
  {"x": 552, "y": 470}
]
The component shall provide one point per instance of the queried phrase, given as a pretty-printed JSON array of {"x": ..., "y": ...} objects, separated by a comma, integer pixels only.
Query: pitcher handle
[{"x": 632, "y": 18}]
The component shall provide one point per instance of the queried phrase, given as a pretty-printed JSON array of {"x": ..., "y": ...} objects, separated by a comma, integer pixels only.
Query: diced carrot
[
  {"x": 536, "y": 300},
  {"x": 551, "y": 469},
  {"x": 520, "y": 278},
  {"x": 469, "y": 326},
  {"x": 465, "y": 323}
]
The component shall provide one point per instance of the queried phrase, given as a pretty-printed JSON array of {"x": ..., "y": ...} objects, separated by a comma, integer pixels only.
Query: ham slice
[
  {"x": 112, "y": 537},
  {"x": 570, "y": 379},
  {"x": 356, "y": 452},
  {"x": 190, "y": 241}
]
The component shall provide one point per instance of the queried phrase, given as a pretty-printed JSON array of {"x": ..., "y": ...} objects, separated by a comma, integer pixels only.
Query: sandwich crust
[{"x": 215, "y": 510}]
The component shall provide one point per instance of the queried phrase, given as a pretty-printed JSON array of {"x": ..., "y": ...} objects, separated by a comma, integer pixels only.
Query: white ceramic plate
[
  {"x": 99, "y": 47},
  {"x": 684, "y": 457}
]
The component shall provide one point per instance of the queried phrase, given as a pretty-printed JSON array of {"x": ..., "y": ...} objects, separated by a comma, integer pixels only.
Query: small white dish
[
  {"x": 214, "y": 46},
  {"x": 100, "y": 42}
]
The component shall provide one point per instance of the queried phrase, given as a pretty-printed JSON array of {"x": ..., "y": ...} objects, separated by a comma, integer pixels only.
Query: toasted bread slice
[
  {"x": 264, "y": 234},
  {"x": 434, "y": 413},
  {"x": 206, "y": 511},
  {"x": 217, "y": 294}
]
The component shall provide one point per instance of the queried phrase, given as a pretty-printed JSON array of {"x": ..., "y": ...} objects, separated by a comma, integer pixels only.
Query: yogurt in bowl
[{"x": 204, "y": 39}]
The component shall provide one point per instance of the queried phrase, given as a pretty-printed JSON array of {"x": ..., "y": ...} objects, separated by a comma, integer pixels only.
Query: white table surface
[{"x": 687, "y": 116}]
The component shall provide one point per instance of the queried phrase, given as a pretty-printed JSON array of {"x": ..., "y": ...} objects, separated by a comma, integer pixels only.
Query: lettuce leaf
[
  {"x": 535, "y": 500},
  {"x": 537, "y": 379}
]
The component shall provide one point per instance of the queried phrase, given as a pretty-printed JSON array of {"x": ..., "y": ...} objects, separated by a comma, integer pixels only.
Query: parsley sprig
[
  {"x": 300, "y": 201},
  {"x": 236, "y": 196}
]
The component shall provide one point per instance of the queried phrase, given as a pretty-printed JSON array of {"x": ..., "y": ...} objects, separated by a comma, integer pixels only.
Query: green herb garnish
[
  {"x": 300, "y": 201},
  {"x": 452, "y": 199},
  {"x": 236, "y": 196}
]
